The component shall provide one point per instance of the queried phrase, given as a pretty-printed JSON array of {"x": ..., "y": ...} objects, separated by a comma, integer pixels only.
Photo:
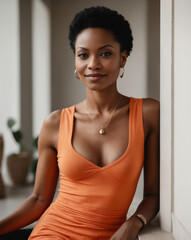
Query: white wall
[
  {"x": 41, "y": 63},
  {"x": 166, "y": 103},
  {"x": 182, "y": 120},
  {"x": 9, "y": 71}
]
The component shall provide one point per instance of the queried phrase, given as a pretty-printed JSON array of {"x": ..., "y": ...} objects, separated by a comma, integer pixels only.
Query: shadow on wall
[
  {"x": 25, "y": 22},
  {"x": 153, "y": 49}
]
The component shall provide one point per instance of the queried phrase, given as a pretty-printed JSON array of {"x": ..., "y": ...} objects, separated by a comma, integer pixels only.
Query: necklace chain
[{"x": 101, "y": 130}]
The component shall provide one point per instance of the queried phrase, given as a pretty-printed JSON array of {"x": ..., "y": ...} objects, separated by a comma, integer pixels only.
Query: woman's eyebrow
[
  {"x": 100, "y": 48},
  {"x": 107, "y": 45},
  {"x": 82, "y": 48}
]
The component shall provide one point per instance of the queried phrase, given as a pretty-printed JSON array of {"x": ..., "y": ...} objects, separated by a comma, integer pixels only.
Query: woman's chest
[{"x": 101, "y": 149}]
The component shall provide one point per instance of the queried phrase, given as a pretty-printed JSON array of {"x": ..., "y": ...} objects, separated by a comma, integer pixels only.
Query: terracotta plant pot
[
  {"x": 2, "y": 186},
  {"x": 18, "y": 166}
]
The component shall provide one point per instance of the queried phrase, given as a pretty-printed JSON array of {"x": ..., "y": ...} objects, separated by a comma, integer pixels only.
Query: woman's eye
[
  {"x": 106, "y": 54},
  {"x": 82, "y": 55}
]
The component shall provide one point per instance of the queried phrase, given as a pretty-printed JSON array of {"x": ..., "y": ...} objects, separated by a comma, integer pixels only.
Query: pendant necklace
[{"x": 102, "y": 129}]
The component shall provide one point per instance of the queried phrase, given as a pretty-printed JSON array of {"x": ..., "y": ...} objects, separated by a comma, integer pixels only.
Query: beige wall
[{"x": 141, "y": 77}]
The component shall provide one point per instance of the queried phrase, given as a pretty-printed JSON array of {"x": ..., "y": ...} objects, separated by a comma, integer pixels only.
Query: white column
[
  {"x": 182, "y": 120},
  {"x": 166, "y": 106},
  {"x": 41, "y": 63}
]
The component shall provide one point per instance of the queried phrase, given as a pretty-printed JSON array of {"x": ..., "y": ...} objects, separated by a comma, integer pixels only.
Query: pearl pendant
[{"x": 101, "y": 131}]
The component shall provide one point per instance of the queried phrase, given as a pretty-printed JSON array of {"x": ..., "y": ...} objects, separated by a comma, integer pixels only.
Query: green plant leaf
[
  {"x": 18, "y": 136},
  {"x": 34, "y": 165},
  {"x": 11, "y": 122}
]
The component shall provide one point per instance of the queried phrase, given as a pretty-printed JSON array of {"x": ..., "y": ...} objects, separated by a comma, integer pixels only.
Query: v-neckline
[{"x": 115, "y": 161}]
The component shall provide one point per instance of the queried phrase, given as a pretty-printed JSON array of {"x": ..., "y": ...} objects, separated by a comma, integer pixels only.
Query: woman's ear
[{"x": 123, "y": 58}]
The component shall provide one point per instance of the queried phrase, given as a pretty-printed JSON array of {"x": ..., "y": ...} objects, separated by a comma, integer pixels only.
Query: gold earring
[
  {"x": 76, "y": 74},
  {"x": 121, "y": 74}
]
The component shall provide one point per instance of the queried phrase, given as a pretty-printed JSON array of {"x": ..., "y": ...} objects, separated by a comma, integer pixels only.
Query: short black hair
[{"x": 105, "y": 18}]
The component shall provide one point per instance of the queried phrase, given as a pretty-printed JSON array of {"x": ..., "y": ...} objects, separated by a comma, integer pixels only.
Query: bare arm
[
  {"x": 150, "y": 203},
  {"x": 45, "y": 182}
]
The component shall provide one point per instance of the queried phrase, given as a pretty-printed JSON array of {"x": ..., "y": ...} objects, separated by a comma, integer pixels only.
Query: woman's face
[{"x": 98, "y": 58}]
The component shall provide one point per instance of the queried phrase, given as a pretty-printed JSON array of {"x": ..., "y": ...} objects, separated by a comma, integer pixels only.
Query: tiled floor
[{"x": 16, "y": 195}]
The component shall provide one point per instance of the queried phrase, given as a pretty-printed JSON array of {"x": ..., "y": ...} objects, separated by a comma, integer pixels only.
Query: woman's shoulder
[
  {"x": 151, "y": 112},
  {"x": 53, "y": 119},
  {"x": 50, "y": 128},
  {"x": 151, "y": 104}
]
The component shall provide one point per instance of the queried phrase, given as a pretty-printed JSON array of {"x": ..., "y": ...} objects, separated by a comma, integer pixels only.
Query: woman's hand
[{"x": 128, "y": 230}]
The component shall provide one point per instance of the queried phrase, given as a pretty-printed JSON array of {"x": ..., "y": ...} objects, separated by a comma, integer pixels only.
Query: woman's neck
[{"x": 103, "y": 101}]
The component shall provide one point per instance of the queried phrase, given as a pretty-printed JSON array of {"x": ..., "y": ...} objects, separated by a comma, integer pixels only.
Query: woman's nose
[{"x": 93, "y": 63}]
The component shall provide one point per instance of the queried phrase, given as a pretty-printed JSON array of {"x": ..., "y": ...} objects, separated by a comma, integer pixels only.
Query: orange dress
[{"x": 93, "y": 201}]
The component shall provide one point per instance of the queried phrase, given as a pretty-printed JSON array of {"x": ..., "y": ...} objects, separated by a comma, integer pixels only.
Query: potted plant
[{"x": 18, "y": 163}]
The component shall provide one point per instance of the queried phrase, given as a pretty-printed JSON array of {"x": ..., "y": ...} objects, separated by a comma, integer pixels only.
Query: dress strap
[
  {"x": 66, "y": 126},
  {"x": 137, "y": 120}
]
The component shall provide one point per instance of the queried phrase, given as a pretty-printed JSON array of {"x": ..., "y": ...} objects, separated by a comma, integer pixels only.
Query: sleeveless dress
[{"x": 93, "y": 201}]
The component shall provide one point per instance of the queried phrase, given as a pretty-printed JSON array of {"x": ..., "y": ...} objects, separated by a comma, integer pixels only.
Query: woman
[{"x": 98, "y": 147}]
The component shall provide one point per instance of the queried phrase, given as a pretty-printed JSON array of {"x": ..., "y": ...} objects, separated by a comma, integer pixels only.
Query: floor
[
  {"x": 152, "y": 231},
  {"x": 16, "y": 195}
]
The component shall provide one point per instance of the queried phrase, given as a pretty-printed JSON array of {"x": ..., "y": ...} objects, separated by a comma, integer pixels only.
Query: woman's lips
[{"x": 95, "y": 77}]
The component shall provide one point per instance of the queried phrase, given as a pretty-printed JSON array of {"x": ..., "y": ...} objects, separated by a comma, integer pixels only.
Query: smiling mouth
[{"x": 95, "y": 76}]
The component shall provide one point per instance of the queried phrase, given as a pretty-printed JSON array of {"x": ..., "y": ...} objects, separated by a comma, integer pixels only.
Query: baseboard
[{"x": 179, "y": 232}]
